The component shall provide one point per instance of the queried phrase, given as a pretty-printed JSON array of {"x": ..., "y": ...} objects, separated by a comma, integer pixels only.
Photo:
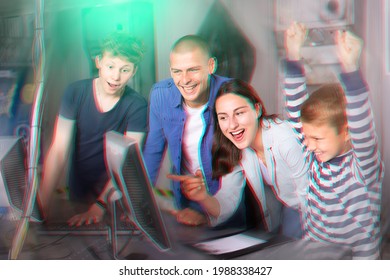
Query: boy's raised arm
[
  {"x": 294, "y": 77},
  {"x": 359, "y": 113}
]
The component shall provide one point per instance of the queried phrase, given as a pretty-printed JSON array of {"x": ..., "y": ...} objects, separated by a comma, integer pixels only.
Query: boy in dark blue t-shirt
[{"x": 89, "y": 109}]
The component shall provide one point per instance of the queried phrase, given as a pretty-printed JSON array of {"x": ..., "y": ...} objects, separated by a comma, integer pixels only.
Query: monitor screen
[
  {"x": 130, "y": 177},
  {"x": 13, "y": 176}
]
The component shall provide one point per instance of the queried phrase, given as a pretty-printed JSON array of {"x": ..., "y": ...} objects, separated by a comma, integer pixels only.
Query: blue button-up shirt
[{"x": 166, "y": 126}]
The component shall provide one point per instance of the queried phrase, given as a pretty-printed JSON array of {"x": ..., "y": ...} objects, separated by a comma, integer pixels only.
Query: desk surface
[{"x": 138, "y": 247}]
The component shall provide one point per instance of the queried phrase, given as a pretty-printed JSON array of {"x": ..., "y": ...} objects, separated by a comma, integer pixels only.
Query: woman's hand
[{"x": 192, "y": 186}]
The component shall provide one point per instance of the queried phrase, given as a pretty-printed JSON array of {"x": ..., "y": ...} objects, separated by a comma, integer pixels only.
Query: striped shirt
[{"x": 343, "y": 204}]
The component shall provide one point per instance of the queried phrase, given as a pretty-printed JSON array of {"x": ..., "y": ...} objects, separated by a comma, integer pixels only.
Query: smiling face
[
  {"x": 190, "y": 70},
  {"x": 114, "y": 73},
  {"x": 324, "y": 141},
  {"x": 237, "y": 119}
]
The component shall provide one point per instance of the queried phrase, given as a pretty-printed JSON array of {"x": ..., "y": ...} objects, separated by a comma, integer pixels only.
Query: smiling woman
[
  {"x": 238, "y": 120},
  {"x": 238, "y": 109},
  {"x": 268, "y": 153}
]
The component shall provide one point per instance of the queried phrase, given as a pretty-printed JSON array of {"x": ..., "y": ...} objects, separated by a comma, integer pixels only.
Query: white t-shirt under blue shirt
[{"x": 193, "y": 131}]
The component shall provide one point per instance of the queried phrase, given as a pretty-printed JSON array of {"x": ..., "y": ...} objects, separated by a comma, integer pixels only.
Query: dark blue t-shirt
[{"x": 87, "y": 169}]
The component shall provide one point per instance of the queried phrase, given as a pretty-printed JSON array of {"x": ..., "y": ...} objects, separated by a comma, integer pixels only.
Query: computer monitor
[
  {"x": 13, "y": 177},
  {"x": 130, "y": 177}
]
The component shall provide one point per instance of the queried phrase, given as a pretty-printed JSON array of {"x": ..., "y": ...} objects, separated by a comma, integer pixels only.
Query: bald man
[{"x": 181, "y": 119}]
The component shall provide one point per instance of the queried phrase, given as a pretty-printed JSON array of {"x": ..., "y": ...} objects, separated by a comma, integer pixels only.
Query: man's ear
[{"x": 213, "y": 65}]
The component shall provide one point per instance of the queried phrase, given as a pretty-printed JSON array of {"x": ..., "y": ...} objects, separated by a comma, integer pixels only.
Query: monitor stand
[{"x": 112, "y": 198}]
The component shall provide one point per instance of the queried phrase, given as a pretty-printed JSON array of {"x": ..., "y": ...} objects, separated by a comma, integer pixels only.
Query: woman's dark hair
[{"x": 225, "y": 154}]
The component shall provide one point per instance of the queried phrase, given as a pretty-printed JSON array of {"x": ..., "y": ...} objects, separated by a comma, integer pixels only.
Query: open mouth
[
  {"x": 189, "y": 89},
  {"x": 238, "y": 135},
  {"x": 318, "y": 155},
  {"x": 113, "y": 86}
]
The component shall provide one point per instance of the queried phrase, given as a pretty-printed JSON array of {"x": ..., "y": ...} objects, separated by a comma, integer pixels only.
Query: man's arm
[
  {"x": 56, "y": 158},
  {"x": 155, "y": 141}
]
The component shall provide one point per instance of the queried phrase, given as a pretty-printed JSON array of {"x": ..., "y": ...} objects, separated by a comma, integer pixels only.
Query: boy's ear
[
  {"x": 97, "y": 61},
  {"x": 135, "y": 70},
  {"x": 346, "y": 131}
]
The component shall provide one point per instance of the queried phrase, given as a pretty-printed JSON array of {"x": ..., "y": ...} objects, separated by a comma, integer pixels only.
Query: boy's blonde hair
[
  {"x": 326, "y": 105},
  {"x": 124, "y": 45}
]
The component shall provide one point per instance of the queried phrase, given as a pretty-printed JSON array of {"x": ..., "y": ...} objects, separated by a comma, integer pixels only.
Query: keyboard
[
  {"x": 62, "y": 228},
  {"x": 97, "y": 250}
]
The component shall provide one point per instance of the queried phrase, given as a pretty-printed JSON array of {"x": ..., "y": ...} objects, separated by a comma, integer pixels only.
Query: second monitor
[{"x": 129, "y": 175}]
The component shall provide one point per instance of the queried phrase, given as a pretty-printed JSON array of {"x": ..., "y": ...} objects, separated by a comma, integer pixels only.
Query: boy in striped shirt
[{"x": 336, "y": 126}]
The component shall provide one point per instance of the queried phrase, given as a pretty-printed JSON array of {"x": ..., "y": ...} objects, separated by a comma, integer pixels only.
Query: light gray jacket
[{"x": 286, "y": 167}]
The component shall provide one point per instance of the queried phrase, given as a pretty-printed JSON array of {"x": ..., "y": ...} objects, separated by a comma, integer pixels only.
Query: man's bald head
[{"x": 189, "y": 43}]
